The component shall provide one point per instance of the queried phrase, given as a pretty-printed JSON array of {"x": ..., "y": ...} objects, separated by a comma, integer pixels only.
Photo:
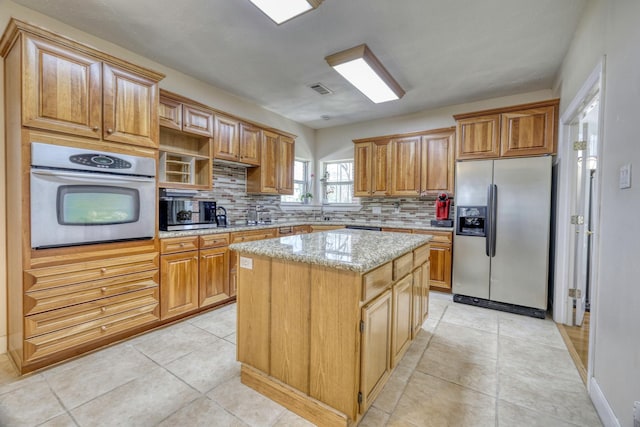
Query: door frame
[{"x": 565, "y": 230}]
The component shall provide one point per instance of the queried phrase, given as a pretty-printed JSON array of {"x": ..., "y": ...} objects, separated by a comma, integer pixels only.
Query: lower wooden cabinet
[
  {"x": 376, "y": 347},
  {"x": 402, "y": 318},
  {"x": 441, "y": 260},
  {"x": 179, "y": 284},
  {"x": 214, "y": 276}
]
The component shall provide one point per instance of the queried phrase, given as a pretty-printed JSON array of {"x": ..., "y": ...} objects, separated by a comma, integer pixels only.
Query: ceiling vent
[{"x": 321, "y": 89}]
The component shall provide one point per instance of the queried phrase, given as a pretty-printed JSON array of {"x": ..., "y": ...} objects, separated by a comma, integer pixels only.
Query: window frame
[
  {"x": 305, "y": 182},
  {"x": 326, "y": 183}
]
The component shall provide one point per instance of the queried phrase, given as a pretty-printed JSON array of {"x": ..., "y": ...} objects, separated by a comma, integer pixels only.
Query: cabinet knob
[
  {"x": 182, "y": 245},
  {"x": 95, "y": 128},
  {"x": 103, "y": 270},
  {"x": 103, "y": 309},
  {"x": 196, "y": 258},
  {"x": 109, "y": 130},
  {"x": 103, "y": 328},
  {"x": 103, "y": 290}
]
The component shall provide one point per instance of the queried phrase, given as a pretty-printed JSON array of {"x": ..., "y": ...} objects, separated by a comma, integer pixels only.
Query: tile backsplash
[{"x": 229, "y": 190}]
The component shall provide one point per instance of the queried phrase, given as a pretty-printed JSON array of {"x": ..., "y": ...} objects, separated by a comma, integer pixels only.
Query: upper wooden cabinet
[
  {"x": 185, "y": 117},
  {"x": 250, "y": 140},
  {"x": 275, "y": 173},
  {"x": 437, "y": 162},
  {"x": 71, "y": 88},
  {"x": 521, "y": 130},
  {"x": 405, "y": 170},
  {"x": 414, "y": 164},
  {"x": 226, "y": 142}
]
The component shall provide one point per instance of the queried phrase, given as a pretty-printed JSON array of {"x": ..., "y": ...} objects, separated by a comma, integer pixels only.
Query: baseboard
[
  {"x": 3, "y": 344},
  {"x": 605, "y": 412}
]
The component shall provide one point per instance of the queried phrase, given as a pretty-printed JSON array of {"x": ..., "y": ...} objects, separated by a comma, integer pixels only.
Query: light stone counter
[
  {"x": 344, "y": 249},
  {"x": 200, "y": 232}
]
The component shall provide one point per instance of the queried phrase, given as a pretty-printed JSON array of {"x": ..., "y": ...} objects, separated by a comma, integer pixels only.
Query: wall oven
[{"x": 81, "y": 196}]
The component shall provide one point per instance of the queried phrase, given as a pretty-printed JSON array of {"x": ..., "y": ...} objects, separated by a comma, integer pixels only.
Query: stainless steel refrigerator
[{"x": 501, "y": 241}]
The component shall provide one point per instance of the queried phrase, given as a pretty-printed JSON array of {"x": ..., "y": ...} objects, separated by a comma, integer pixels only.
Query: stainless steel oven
[{"x": 81, "y": 196}]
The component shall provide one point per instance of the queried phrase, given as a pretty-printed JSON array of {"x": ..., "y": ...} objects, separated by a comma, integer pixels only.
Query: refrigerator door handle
[
  {"x": 488, "y": 232},
  {"x": 493, "y": 218}
]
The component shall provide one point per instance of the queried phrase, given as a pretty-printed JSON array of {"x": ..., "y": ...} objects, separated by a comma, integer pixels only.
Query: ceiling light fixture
[
  {"x": 283, "y": 10},
  {"x": 363, "y": 70}
]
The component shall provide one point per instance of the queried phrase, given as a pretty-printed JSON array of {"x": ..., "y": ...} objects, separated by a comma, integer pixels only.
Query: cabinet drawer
[
  {"x": 402, "y": 266},
  {"x": 62, "y": 296},
  {"x": 438, "y": 236},
  {"x": 301, "y": 229},
  {"x": 84, "y": 333},
  {"x": 178, "y": 244},
  {"x": 376, "y": 281},
  {"x": 420, "y": 256},
  {"x": 214, "y": 241},
  {"x": 43, "y": 323},
  {"x": 60, "y": 275},
  {"x": 253, "y": 235}
]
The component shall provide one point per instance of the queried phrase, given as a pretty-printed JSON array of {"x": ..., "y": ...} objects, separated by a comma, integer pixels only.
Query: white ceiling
[{"x": 442, "y": 52}]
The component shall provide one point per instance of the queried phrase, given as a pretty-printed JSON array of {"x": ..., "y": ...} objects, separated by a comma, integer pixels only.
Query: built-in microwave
[
  {"x": 183, "y": 210},
  {"x": 81, "y": 196}
]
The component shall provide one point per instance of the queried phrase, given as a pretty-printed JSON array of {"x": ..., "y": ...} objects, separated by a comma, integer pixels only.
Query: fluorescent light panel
[
  {"x": 282, "y": 10},
  {"x": 363, "y": 70}
]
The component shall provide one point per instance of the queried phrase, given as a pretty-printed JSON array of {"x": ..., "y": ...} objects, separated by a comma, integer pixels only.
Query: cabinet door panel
[
  {"x": 381, "y": 169},
  {"x": 197, "y": 121},
  {"x": 528, "y": 132},
  {"x": 424, "y": 305},
  {"x": 285, "y": 165},
  {"x": 170, "y": 113},
  {"x": 477, "y": 138},
  {"x": 376, "y": 348},
  {"x": 250, "y": 139},
  {"x": 402, "y": 319},
  {"x": 178, "y": 284},
  {"x": 226, "y": 145},
  {"x": 362, "y": 155},
  {"x": 130, "y": 107},
  {"x": 268, "y": 162},
  {"x": 61, "y": 89},
  {"x": 405, "y": 178},
  {"x": 416, "y": 310},
  {"x": 440, "y": 275},
  {"x": 437, "y": 163},
  {"x": 214, "y": 276}
]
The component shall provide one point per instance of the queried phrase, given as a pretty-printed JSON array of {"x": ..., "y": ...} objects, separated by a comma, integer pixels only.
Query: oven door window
[{"x": 97, "y": 205}]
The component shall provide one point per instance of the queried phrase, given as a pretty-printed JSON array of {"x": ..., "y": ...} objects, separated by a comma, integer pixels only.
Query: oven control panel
[{"x": 102, "y": 161}]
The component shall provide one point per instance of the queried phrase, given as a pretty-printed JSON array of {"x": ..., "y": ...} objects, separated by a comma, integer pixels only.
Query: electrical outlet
[
  {"x": 625, "y": 176},
  {"x": 636, "y": 414}
]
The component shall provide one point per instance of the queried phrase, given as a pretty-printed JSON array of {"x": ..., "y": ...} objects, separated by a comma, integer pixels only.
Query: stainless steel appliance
[
  {"x": 501, "y": 243},
  {"x": 81, "y": 196},
  {"x": 182, "y": 210}
]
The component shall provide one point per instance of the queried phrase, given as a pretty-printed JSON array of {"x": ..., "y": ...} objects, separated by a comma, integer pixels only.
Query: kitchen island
[{"x": 323, "y": 318}]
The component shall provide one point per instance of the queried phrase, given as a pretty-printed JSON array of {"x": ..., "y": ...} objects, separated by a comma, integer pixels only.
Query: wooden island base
[{"x": 320, "y": 340}]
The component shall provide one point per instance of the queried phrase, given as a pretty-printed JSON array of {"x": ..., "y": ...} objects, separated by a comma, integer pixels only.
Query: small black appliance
[{"x": 221, "y": 217}]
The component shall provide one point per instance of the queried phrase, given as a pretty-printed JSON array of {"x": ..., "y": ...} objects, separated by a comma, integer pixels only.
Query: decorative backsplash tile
[{"x": 229, "y": 191}]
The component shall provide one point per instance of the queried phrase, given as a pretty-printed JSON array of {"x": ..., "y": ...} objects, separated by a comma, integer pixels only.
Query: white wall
[
  {"x": 175, "y": 82},
  {"x": 612, "y": 28}
]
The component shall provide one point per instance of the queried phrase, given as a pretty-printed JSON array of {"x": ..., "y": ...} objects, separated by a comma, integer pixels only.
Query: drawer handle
[
  {"x": 95, "y": 128},
  {"x": 103, "y": 270},
  {"x": 196, "y": 258},
  {"x": 103, "y": 309},
  {"x": 109, "y": 131},
  {"x": 103, "y": 290},
  {"x": 103, "y": 328},
  {"x": 182, "y": 245}
]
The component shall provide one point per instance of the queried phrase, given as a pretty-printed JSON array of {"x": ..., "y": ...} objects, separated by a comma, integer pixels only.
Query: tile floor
[{"x": 467, "y": 367}]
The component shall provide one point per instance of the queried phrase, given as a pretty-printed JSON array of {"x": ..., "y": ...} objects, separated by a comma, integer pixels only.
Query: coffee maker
[
  {"x": 221, "y": 217},
  {"x": 443, "y": 203}
]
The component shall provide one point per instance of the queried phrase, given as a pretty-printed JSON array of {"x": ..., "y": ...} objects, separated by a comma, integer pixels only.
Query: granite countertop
[
  {"x": 344, "y": 249},
  {"x": 204, "y": 231}
]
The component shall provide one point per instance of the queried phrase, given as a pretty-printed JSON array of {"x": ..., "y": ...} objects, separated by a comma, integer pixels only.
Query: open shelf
[{"x": 185, "y": 160}]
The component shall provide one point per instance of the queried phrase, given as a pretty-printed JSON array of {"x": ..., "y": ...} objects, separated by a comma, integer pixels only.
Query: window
[
  {"x": 300, "y": 181},
  {"x": 338, "y": 181}
]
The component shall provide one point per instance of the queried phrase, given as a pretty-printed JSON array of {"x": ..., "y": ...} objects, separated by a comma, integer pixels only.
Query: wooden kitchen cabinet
[
  {"x": 441, "y": 259},
  {"x": 520, "y": 130},
  {"x": 178, "y": 284},
  {"x": 70, "y": 88},
  {"x": 250, "y": 141},
  {"x": 275, "y": 173},
  {"x": 362, "y": 159},
  {"x": 402, "y": 318},
  {"x": 376, "y": 347},
  {"x": 186, "y": 131},
  {"x": 372, "y": 165},
  {"x": 227, "y": 139},
  {"x": 437, "y": 162},
  {"x": 405, "y": 171},
  {"x": 214, "y": 276}
]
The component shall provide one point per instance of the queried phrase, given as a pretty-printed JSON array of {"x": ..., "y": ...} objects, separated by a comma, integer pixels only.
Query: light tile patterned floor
[{"x": 468, "y": 367}]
